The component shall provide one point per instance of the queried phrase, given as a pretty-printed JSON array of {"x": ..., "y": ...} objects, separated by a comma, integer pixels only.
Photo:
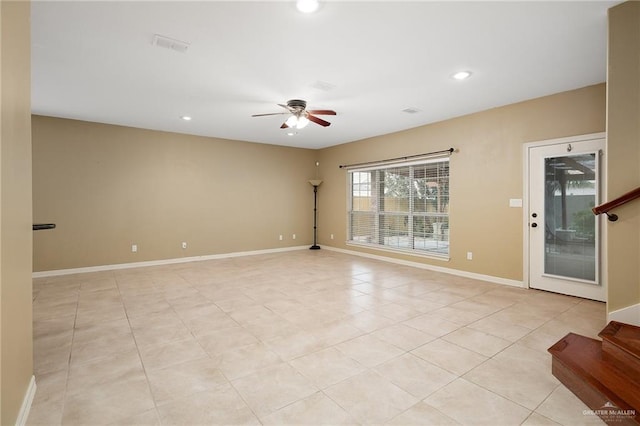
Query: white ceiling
[{"x": 368, "y": 61}]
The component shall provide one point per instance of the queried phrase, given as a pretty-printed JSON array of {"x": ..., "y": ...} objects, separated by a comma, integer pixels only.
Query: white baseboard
[
  {"x": 23, "y": 415},
  {"x": 472, "y": 275},
  {"x": 466, "y": 274},
  {"x": 628, "y": 315},
  {"x": 100, "y": 268}
]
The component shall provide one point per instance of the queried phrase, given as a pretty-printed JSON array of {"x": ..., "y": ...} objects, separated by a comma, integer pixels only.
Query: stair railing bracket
[{"x": 612, "y": 217}]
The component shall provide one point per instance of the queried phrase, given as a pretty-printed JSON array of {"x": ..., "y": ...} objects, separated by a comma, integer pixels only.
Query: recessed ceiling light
[
  {"x": 291, "y": 133},
  {"x": 461, "y": 75},
  {"x": 307, "y": 6},
  {"x": 185, "y": 117}
]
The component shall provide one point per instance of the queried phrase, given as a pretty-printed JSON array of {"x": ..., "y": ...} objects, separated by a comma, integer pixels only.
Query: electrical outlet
[
  {"x": 332, "y": 236},
  {"x": 294, "y": 236},
  {"x": 134, "y": 248},
  {"x": 469, "y": 255},
  {"x": 184, "y": 244},
  {"x": 280, "y": 238}
]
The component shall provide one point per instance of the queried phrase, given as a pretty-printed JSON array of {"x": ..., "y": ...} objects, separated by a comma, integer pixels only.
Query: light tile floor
[{"x": 300, "y": 338}]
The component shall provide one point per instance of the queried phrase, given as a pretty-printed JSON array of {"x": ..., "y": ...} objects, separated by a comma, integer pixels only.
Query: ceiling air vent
[
  {"x": 411, "y": 110},
  {"x": 323, "y": 85},
  {"x": 170, "y": 43}
]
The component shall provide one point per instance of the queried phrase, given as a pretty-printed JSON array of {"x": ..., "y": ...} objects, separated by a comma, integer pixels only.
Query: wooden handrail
[{"x": 610, "y": 205}]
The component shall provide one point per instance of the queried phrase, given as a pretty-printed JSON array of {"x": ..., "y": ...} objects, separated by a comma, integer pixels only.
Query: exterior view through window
[{"x": 402, "y": 207}]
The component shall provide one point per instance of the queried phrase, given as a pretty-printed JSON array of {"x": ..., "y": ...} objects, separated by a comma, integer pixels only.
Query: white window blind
[{"x": 402, "y": 207}]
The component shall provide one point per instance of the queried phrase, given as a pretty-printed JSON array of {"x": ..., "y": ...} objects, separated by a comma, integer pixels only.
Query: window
[{"x": 403, "y": 207}]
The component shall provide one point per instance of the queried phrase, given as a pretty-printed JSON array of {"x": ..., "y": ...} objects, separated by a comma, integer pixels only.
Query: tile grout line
[{"x": 144, "y": 369}]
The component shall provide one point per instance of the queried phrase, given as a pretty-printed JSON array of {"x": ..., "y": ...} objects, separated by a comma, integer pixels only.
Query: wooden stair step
[
  {"x": 622, "y": 342},
  {"x": 581, "y": 365}
]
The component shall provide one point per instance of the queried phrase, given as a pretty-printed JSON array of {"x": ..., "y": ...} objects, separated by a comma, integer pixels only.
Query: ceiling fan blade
[
  {"x": 287, "y": 107},
  {"x": 273, "y": 113},
  {"x": 317, "y": 120},
  {"x": 321, "y": 112},
  {"x": 284, "y": 125}
]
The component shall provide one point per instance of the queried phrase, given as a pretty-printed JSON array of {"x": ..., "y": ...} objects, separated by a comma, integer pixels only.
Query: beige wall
[
  {"x": 623, "y": 131},
  {"x": 108, "y": 187},
  {"x": 16, "y": 350},
  {"x": 486, "y": 171}
]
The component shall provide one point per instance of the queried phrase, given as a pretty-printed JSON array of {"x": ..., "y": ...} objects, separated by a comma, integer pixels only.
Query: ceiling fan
[{"x": 300, "y": 116}]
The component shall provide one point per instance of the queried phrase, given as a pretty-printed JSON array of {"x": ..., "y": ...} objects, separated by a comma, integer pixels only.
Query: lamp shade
[{"x": 315, "y": 182}]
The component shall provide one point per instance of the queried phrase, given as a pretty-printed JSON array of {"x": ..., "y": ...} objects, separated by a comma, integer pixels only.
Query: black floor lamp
[{"x": 315, "y": 183}]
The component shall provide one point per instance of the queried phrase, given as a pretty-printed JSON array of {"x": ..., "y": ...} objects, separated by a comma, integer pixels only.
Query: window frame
[{"x": 442, "y": 251}]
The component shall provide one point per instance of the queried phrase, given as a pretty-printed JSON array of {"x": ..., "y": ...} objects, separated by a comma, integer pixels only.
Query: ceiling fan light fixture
[
  {"x": 292, "y": 121},
  {"x": 307, "y": 6},
  {"x": 302, "y": 122}
]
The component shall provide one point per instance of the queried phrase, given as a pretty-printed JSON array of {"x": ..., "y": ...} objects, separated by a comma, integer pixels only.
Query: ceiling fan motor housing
[{"x": 298, "y": 104}]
